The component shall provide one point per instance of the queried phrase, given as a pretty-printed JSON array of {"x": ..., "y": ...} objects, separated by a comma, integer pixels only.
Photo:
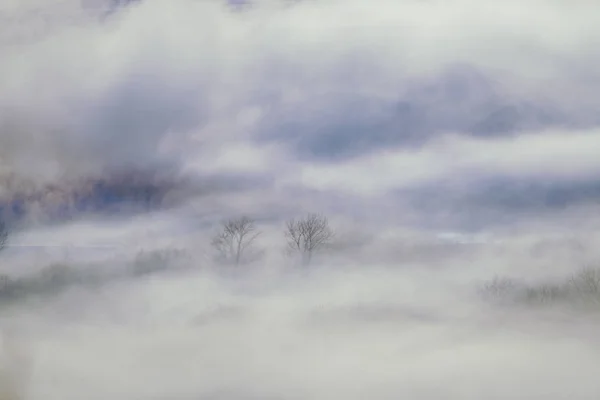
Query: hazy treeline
[{"x": 235, "y": 244}]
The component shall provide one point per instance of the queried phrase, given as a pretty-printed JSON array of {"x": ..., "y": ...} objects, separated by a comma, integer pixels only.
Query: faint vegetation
[
  {"x": 499, "y": 288},
  {"x": 57, "y": 277},
  {"x": 235, "y": 242},
  {"x": 580, "y": 289},
  {"x": 149, "y": 262},
  {"x": 3, "y": 234},
  {"x": 308, "y": 235},
  {"x": 586, "y": 285}
]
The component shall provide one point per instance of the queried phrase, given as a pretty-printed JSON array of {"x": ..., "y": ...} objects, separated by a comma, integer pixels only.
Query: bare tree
[
  {"x": 235, "y": 239},
  {"x": 308, "y": 236}
]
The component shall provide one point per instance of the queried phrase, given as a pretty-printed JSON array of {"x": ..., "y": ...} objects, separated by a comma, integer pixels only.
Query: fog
[{"x": 451, "y": 145}]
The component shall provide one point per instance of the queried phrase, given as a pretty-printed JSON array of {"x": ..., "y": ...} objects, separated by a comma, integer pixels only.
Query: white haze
[{"x": 395, "y": 312}]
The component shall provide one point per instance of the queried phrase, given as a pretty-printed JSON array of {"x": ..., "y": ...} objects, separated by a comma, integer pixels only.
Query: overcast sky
[{"x": 461, "y": 101}]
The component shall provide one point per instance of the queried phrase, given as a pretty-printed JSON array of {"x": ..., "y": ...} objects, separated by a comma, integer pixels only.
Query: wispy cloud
[{"x": 551, "y": 156}]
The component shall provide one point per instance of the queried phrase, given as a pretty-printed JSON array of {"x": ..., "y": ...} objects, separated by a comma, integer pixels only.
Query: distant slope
[{"x": 130, "y": 190}]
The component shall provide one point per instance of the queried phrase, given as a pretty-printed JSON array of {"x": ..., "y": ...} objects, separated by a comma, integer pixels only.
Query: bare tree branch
[
  {"x": 308, "y": 235},
  {"x": 235, "y": 239}
]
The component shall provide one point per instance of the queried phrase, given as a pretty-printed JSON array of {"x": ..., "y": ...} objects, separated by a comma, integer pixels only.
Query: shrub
[{"x": 581, "y": 288}]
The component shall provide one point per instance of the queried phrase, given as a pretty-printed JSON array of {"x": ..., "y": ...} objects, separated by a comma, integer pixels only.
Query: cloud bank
[{"x": 397, "y": 93}]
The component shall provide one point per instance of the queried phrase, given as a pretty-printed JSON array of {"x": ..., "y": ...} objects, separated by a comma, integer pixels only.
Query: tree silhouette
[
  {"x": 308, "y": 235},
  {"x": 235, "y": 239}
]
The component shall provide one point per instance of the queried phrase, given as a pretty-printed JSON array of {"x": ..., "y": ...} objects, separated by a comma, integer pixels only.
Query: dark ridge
[{"x": 116, "y": 192}]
